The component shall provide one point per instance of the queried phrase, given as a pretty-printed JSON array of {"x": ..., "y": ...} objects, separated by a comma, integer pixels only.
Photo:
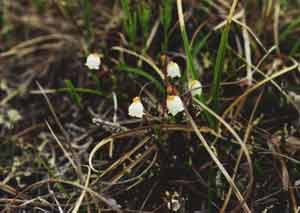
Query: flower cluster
[{"x": 174, "y": 103}]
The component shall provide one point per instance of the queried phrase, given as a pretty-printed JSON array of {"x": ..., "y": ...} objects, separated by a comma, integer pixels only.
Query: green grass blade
[
  {"x": 218, "y": 68},
  {"x": 191, "y": 70},
  {"x": 197, "y": 47},
  {"x": 144, "y": 15},
  {"x": 81, "y": 90},
  {"x": 130, "y": 21},
  {"x": 39, "y": 5},
  {"x": 289, "y": 29},
  {"x": 210, "y": 119},
  {"x": 190, "y": 63},
  {"x": 76, "y": 89},
  {"x": 166, "y": 20},
  {"x": 140, "y": 72},
  {"x": 71, "y": 90},
  {"x": 87, "y": 18}
]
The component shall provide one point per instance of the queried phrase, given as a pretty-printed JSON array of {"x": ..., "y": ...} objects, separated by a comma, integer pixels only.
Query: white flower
[
  {"x": 173, "y": 70},
  {"x": 195, "y": 87},
  {"x": 136, "y": 108},
  {"x": 13, "y": 115},
  {"x": 174, "y": 202},
  {"x": 93, "y": 61},
  {"x": 174, "y": 205},
  {"x": 174, "y": 104}
]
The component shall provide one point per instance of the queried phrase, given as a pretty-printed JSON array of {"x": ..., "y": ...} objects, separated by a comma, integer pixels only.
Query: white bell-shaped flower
[
  {"x": 195, "y": 87},
  {"x": 136, "y": 108},
  {"x": 173, "y": 70},
  {"x": 174, "y": 205},
  {"x": 174, "y": 202},
  {"x": 93, "y": 61},
  {"x": 174, "y": 104}
]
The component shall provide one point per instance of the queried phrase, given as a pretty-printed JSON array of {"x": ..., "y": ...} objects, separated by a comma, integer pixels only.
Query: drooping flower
[
  {"x": 173, "y": 70},
  {"x": 173, "y": 201},
  {"x": 174, "y": 104},
  {"x": 174, "y": 205},
  {"x": 93, "y": 61},
  {"x": 136, "y": 108},
  {"x": 195, "y": 87}
]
